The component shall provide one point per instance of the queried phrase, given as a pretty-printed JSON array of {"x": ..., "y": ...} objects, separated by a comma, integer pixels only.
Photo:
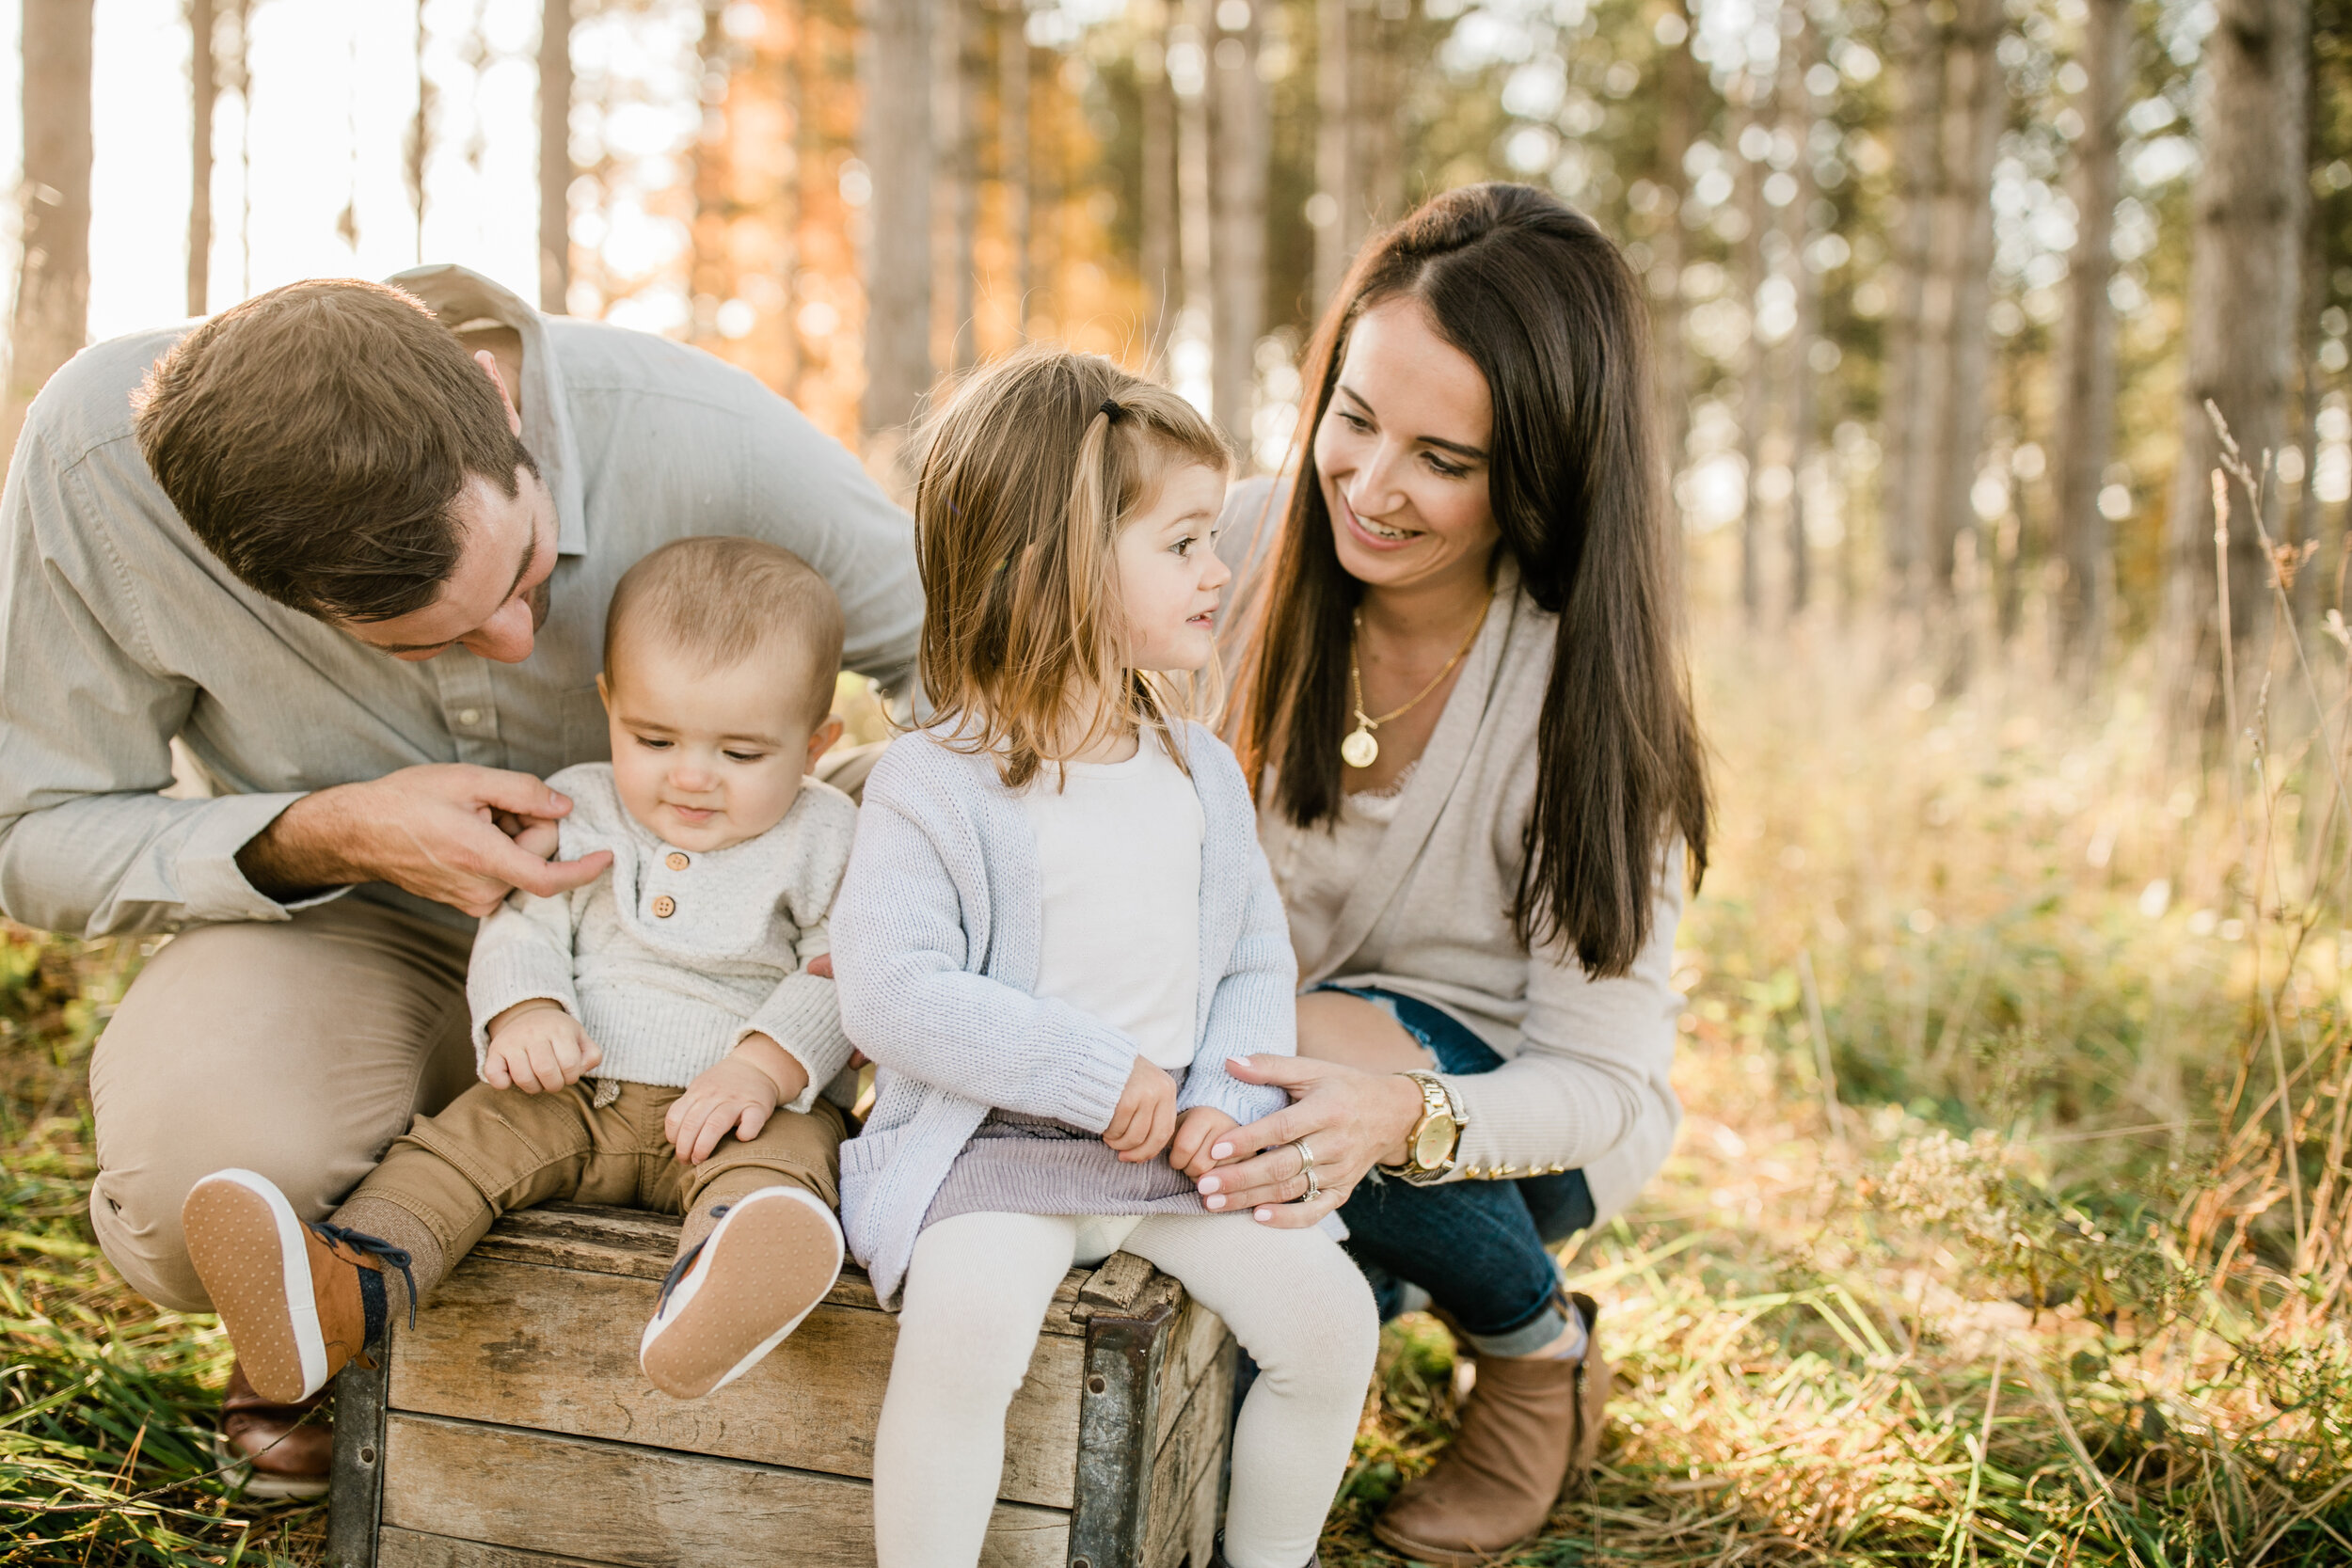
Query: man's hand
[
  {"x": 538, "y": 1048},
  {"x": 457, "y": 835},
  {"x": 1196, "y": 1130},
  {"x": 1145, "y": 1115},
  {"x": 732, "y": 1096}
]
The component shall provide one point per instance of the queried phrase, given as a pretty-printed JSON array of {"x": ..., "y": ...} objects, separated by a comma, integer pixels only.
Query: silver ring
[
  {"x": 1306, "y": 1157},
  {"x": 1314, "y": 1188}
]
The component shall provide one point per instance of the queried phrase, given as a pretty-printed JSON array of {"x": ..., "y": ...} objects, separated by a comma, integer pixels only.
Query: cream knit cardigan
[
  {"x": 936, "y": 939},
  {"x": 667, "y": 994},
  {"x": 1585, "y": 1080}
]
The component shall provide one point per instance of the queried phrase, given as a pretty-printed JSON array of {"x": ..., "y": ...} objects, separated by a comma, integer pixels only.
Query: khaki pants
[
  {"x": 300, "y": 1049},
  {"x": 496, "y": 1149}
]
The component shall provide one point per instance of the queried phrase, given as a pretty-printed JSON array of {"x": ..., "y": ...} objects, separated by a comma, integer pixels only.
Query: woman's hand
[{"x": 1350, "y": 1118}]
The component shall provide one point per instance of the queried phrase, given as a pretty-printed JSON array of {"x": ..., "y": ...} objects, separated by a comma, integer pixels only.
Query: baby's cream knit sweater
[{"x": 671, "y": 957}]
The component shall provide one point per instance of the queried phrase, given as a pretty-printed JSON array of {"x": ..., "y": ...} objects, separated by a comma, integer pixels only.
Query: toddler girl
[{"x": 1055, "y": 928}]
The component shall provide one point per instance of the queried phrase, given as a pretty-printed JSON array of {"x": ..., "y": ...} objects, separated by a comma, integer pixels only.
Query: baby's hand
[
  {"x": 1197, "y": 1129},
  {"x": 538, "y": 1048},
  {"x": 1146, "y": 1113},
  {"x": 732, "y": 1096}
]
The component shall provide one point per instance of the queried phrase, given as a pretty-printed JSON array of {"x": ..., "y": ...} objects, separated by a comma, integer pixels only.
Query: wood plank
[
  {"x": 556, "y": 1351},
  {"x": 1200, "y": 1336},
  {"x": 410, "y": 1548},
  {"x": 1181, "y": 1520},
  {"x": 569, "y": 1497},
  {"x": 635, "y": 1245}
]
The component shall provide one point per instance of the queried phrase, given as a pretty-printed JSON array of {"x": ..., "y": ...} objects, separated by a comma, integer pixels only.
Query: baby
[{"x": 656, "y": 1038}]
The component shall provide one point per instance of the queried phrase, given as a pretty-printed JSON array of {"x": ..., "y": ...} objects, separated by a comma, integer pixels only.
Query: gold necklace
[{"x": 1361, "y": 749}]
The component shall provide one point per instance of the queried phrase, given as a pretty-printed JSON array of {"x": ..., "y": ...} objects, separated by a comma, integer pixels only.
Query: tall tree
[
  {"x": 1156, "y": 265},
  {"x": 1916, "y": 47},
  {"x": 895, "y": 141},
  {"x": 419, "y": 149},
  {"x": 1339, "y": 183},
  {"x": 203, "y": 94},
  {"x": 555, "y": 155},
  {"x": 953, "y": 99},
  {"x": 2086, "y": 372},
  {"x": 1238, "y": 190},
  {"x": 1678, "y": 89},
  {"x": 1012, "y": 146},
  {"x": 1750, "y": 139},
  {"x": 2243, "y": 290},
  {"x": 1974, "y": 109},
  {"x": 1800, "y": 51},
  {"x": 1188, "y": 73},
  {"x": 53, "y": 281}
]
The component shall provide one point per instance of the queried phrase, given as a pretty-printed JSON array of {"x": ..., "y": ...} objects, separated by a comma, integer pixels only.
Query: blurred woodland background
[{"x": 2008, "y": 1224}]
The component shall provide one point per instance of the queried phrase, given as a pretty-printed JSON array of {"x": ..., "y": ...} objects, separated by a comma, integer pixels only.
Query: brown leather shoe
[
  {"x": 298, "y": 1300},
  {"x": 1530, "y": 1429},
  {"x": 282, "y": 1454}
]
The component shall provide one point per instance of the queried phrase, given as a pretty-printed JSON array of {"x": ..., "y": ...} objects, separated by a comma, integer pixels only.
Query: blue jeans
[{"x": 1481, "y": 1249}]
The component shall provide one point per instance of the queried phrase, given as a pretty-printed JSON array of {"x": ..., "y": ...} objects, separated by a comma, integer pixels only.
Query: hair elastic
[{"x": 1112, "y": 409}]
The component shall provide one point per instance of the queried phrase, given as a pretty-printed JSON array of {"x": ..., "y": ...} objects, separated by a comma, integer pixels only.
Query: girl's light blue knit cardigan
[{"x": 936, "y": 950}]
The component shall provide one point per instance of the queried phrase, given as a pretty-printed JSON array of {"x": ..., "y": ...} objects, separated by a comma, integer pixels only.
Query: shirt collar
[{"x": 458, "y": 296}]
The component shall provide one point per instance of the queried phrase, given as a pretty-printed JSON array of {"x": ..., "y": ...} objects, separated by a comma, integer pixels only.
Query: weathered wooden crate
[{"x": 511, "y": 1428}]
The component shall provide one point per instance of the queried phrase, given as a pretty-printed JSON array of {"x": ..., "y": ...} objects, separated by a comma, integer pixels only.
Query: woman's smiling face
[{"x": 1402, "y": 453}]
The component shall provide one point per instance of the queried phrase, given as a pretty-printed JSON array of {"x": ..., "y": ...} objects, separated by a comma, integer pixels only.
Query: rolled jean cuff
[{"x": 1529, "y": 1337}]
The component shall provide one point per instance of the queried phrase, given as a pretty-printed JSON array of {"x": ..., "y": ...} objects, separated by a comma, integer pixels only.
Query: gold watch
[{"x": 1430, "y": 1147}]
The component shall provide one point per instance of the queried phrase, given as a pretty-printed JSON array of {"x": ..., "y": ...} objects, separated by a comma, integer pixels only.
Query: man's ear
[
  {"x": 489, "y": 364},
  {"x": 820, "y": 741}
]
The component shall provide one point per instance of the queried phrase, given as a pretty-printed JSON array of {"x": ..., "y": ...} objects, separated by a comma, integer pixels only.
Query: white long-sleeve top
[{"x": 672, "y": 957}]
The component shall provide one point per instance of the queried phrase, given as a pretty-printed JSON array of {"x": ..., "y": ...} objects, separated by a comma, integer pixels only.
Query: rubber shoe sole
[
  {"x": 770, "y": 1261},
  {"x": 252, "y": 1255}
]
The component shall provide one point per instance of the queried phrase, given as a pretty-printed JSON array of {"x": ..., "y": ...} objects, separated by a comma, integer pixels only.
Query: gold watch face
[{"x": 1434, "y": 1141}]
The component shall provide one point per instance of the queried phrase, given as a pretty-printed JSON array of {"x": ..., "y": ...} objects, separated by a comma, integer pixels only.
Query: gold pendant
[{"x": 1359, "y": 749}]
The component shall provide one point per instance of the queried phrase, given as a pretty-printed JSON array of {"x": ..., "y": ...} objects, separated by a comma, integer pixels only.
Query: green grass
[{"x": 1981, "y": 1244}]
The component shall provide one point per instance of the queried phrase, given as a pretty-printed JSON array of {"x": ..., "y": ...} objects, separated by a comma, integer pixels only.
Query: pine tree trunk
[
  {"x": 1974, "y": 110},
  {"x": 1338, "y": 183},
  {"x": 1238, "y": 189},
  {"x": 1188, "y": 71},
  {"x": 419, "y": 149},
  {"x": 204, "y": 93},
  {"x": 896, "y": 142},
  {"x": 1756, "y": 409},
  {"x": 2243, "y": 287},
  {"x": 52, "y": 284},
  {"x": 1678, "y": 109},
  {"x": 1373, "y": 100},
  {"x": 1918, "y": 50},
  {"x": 1797, "y": 54},
  {"x": 958, "y": 221},
  {"x": 555, "y": 155},
  {"x": 1012, "y": 148},
  {"x": 1156, "y": 266},
  {"x": 2085, "y": 367}
]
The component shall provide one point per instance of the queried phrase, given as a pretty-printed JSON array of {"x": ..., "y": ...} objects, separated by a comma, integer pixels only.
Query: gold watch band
[{"x": 1438, "y": 1099}]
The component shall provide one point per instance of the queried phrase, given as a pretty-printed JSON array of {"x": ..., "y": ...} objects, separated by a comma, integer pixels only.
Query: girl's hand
[
  {"x": 732, "y": 1096},
  {"x": 538, "y": 1048},
  {"x": 1350, "y": 1118},
  {"x": 1196, "y": 1130},
  {"x": 1145, "y": 1115}
]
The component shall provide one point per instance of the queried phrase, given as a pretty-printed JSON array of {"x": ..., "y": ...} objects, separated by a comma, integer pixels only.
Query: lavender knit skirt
[{"x": 1024, "y": 1164}]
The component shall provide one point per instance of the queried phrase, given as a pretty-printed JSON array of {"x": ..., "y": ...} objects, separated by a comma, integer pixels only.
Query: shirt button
[
  {"x": 675, "y": 861},
  {"x": 469, "y": 715},
  {"x": 664, "y": 907}
]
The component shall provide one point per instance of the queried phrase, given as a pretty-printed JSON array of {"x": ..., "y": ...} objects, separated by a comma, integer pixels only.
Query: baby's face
[{"x": 707, "y": 758}]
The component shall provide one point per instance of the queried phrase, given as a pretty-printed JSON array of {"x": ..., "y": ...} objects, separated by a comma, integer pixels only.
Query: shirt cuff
[
  {"x": 212, "y": 884},
  {"x": 803, "y": 1017}
]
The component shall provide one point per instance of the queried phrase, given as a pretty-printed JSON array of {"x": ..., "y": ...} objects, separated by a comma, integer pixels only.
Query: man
[{"x": 350, "y": 547}]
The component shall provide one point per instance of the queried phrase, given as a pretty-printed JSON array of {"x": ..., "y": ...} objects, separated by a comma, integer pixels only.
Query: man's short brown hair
[
  {"x": 722, "y": 600},
  {"x": 315, "y": 437}
]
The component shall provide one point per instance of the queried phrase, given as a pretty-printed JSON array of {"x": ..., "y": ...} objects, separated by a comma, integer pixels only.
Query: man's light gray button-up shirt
[{"x": 120, "y": 632}]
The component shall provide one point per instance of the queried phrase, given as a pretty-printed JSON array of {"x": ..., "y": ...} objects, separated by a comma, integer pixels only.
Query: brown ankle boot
[
  {"x": 1531, "y": 1427},
  {"x": 282, "y": 1454},
  {"x": 298, "y": 1300}
]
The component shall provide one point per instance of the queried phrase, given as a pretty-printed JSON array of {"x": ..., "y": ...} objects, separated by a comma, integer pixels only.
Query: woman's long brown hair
[
  {"x": 1543, "y": 303},
  {"x": 1027, "y": 479}
]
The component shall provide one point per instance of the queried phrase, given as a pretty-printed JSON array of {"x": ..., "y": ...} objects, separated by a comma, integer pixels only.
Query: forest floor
[{"x": 1976, "y": 1246}]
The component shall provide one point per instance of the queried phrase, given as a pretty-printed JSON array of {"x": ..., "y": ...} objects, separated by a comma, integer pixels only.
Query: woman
[{"x": 1463, "y": 705}]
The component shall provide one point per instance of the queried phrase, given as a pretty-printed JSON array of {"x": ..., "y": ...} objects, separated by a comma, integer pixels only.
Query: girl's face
[
  {"x": 1169, "y": 574},
  {"x": 1402, "y": 453}
]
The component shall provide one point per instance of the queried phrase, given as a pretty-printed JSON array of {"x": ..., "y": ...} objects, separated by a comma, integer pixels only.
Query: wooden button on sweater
[
  {"x": 664, "y": 907},
  {"x": 675, "y": 859}
]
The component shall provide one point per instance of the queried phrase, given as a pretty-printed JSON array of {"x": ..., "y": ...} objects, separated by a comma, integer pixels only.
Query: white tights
[{"x": 976, "y": 1291}]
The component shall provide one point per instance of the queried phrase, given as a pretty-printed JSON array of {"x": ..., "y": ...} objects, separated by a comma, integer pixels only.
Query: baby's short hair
[{"x": 725, "y": 598}]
